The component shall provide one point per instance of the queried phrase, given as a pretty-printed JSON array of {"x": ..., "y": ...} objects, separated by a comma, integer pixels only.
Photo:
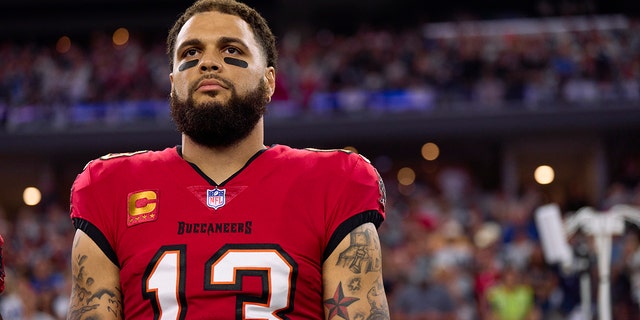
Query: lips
[{"x": 210, "y": 84}]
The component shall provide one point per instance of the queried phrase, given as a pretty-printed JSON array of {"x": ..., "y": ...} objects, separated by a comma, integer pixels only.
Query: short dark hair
[{"x": 258, "y": 24}]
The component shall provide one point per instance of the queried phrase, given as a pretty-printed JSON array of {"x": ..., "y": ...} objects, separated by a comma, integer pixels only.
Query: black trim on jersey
[
  {"x": 263, "y": 274},
  {"x": 349, "y": 225},
  {"x": 151, "y": 295},
  {"x": 94, "y": 233},
  {"x": 213, "y": 183},
  {"x": 202, "y": 174}
]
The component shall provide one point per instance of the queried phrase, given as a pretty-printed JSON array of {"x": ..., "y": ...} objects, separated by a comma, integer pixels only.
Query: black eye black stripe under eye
[
  {"x": 228, "y": 60},
  {"x": 236, "y": 62},
  {"x": 188, "y": 64}
]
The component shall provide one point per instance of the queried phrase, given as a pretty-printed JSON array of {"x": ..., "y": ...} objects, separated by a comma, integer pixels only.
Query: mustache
[{"x": 225, "y": 82}]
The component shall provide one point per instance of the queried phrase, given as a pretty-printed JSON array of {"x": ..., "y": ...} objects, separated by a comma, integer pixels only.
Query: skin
[
  {"x": 95, "y": 291},
  {"x": 211, "y": 30},
  {"x": 353, "y": 268}
]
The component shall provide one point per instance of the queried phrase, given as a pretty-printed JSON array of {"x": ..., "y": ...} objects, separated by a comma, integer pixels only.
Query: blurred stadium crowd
[
  {"x": 526, "y": 64},
  {"x": 451, "y": 249}
]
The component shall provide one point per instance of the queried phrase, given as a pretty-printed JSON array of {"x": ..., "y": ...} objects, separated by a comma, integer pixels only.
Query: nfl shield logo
[{"x": 215, "y": 198}]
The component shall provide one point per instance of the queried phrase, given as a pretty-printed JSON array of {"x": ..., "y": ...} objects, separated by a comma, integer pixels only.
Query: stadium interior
[{"x": 457, "y": 104}]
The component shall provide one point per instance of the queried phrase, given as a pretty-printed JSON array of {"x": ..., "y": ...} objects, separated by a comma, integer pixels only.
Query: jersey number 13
[{"x": 164, "y": 280}]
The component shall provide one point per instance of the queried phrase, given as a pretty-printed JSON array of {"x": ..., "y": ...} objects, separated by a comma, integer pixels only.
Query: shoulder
[
  {"x": 131, "y": 158},
  {"x": 352, "y": 169},
  {"x": 336, "y": 159},
  {"x": 118, "y": 164}
]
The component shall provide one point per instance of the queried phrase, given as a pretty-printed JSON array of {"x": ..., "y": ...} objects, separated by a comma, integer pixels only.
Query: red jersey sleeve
[
  {"x": 91, "y": 213},
  {"x": 1, "y": 266},
  {"x": 359, "y": 198}
]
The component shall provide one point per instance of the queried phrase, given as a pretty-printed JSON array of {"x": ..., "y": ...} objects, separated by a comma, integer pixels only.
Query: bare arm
[
  {"x": 352, "y": 278},
  {"x": 95, "y": 287}
]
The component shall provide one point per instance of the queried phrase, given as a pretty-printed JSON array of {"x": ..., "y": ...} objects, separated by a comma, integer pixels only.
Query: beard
[{"x": 219, "y": 124}]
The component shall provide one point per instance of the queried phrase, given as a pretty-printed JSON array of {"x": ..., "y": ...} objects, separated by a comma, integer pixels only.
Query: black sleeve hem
[
  {"x": 347, "y": 226},
  {"x": 94, "y": 233}
]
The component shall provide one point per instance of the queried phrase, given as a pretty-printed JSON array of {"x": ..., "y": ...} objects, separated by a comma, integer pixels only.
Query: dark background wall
[{"x": 42, "y": 18}]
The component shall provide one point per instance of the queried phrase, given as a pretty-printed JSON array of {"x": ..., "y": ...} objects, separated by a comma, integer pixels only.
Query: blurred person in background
[
  {"x": 428, "y": 298},
  {"x": 223, "y": 226},
  {"x": 511, "y": 298}
]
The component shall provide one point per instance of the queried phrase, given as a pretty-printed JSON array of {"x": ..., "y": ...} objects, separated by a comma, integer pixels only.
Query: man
[{"x": 223, "y": 227}]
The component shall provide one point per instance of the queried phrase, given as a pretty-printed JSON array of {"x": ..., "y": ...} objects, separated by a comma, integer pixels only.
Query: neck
[{"x": 220, "y": 163}]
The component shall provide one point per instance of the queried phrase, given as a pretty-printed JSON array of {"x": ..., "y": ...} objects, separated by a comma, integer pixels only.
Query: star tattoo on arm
[{"x": 338, "y": 304}]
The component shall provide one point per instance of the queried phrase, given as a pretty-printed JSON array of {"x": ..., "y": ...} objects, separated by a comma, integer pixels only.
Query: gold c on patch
[{"x": 142, "y": 206}]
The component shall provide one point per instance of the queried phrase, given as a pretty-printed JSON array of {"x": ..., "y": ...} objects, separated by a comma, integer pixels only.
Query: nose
[{"x": 210, "y": 64}]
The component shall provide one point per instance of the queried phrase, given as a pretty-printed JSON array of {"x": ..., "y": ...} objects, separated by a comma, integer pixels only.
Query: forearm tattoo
[{"x": 85, "y": 297}]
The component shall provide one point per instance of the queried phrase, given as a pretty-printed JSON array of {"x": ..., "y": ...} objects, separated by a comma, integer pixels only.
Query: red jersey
[
  {"x": 1, "y": 267},
  {"x": 251, "y": 247}
]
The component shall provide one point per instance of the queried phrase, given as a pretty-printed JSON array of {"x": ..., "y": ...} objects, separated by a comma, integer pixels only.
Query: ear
[
  {"x": 270, "y": 76},
  {"x": 171, "y": 80}
]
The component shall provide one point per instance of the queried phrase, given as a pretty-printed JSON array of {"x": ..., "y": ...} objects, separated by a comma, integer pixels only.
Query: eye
[
  {"x": 190, "y": 53},
  {"x": 233, "y": 50}
]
